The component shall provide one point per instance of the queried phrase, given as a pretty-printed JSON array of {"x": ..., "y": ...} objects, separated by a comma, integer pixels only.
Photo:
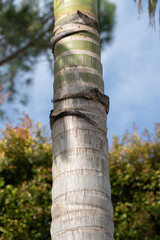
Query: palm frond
[
  {"x": 152, "y": 4},
  {"x": 139, "y": 6}
]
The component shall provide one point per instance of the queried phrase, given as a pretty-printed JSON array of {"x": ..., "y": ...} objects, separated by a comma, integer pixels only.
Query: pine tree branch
[
  {"x": 19, "y": 51},
  {"x": 15, "y": 54}
]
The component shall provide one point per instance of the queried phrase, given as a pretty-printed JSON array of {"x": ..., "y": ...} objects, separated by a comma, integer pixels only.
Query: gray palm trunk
[{"x": 81, "y": 194}]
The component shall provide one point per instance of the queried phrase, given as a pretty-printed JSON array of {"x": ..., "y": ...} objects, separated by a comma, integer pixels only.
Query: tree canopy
[
  {"x": 26, "y": 28},
  {"x": 25, "y": 183}
]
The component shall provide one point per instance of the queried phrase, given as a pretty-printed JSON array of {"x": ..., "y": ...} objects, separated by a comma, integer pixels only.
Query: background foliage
[
  {"x": 26, "y": 27},
  {"x": 135, "y": 180},
  {"x": 25, "y": 184}
]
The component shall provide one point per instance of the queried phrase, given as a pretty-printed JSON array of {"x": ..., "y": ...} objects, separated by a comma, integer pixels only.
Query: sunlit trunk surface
[{"x": 81, "y": 193}]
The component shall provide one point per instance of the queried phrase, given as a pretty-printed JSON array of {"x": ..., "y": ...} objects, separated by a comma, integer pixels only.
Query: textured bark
[{"x": 81, "y": 194}]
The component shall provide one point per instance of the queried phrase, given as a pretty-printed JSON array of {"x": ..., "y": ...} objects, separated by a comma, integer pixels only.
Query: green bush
[
  {"x": 25, "y": 183},
  {"x": 135, "y": 180}
]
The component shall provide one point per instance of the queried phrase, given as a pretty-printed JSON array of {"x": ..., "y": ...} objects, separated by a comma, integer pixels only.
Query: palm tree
[{"x": 81, "y": 194}]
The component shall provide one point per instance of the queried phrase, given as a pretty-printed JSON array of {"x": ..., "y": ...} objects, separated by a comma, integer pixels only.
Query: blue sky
[{"x": 131, "y": 72}]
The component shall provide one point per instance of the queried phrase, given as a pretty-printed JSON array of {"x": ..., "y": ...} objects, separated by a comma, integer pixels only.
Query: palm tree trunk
[{"x": 81, "y": 194}]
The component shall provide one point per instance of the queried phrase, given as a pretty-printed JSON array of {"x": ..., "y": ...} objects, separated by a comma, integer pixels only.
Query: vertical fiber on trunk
[{"x": 81, "y": 195}]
